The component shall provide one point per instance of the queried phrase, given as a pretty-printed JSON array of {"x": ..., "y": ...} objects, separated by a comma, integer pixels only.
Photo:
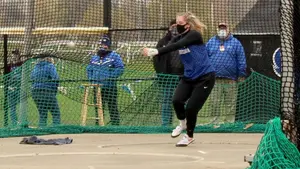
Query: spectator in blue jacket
[
  {"x": 104, "y": 68},
  {"x": 228, "y": 58},
  {"x": 45, "y": 82}
]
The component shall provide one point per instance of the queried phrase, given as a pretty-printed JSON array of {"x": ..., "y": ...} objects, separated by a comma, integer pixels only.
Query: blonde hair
[{"x": 192, "y": 20}]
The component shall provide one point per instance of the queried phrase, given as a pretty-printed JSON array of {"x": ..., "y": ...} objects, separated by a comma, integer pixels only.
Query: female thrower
[{"x": 199, "y": 75}]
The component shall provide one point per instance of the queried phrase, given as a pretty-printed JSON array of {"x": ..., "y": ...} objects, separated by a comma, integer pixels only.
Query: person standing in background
[
  {"x": 168, "y": 67},
  {"x": 45, "y": 82},
  {"x": 14, "y": 84},
  {"x": 104, "y": 68},
  {"x": 228, "y": 58}
]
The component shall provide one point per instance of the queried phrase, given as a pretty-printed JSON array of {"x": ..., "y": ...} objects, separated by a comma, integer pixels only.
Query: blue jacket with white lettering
[
  {"x": 195, "y": 60},
  {"x": 193, "y": 54},
  {"x": 101, "y": 69},
  {"x": 230, "y": 61}
]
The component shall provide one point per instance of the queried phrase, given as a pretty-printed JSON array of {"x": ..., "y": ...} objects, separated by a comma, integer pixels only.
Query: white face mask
[{"x": 222, "y": 34}]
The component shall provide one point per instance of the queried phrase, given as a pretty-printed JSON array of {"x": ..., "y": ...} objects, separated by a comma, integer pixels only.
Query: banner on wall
[{"x": 277, "y": 62}]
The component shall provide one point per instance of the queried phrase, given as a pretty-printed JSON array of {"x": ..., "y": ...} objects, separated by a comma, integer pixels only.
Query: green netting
[
  {"x": 140, "y": 97},
  {"x": 275, "y": 150}
]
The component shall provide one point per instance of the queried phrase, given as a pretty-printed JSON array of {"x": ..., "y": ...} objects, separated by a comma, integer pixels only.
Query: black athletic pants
[{"x": 196, "y": 93}]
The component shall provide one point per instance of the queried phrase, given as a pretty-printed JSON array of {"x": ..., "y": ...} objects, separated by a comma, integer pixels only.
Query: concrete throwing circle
[{"x": 109, "y": 158}]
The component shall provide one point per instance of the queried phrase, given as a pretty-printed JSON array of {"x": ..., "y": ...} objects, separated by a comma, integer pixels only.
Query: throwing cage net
[{"x": 54, "y": 82}]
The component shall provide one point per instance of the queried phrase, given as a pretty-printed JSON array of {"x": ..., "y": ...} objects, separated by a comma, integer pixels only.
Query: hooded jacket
[
  {"x": 230, "y": 62},
  {"x": 44, "y": 76}
]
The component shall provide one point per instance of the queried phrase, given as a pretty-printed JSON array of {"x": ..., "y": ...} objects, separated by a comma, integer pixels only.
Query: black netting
[
  {"x": 290, "y": 61},
  {"x": 75, "y": 89}
]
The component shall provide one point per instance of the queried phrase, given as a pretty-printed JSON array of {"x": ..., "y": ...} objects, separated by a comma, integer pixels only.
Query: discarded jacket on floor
[{"x": 39, "y": 141}]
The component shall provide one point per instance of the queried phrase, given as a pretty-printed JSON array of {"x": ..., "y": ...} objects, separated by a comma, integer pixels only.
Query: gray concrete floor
[{"x": 131, "y": 151}]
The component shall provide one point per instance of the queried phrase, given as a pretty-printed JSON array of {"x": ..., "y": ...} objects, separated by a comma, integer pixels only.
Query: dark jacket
[
  {"x": 168, "y": 63},
  {"x": 15, "y": 74},
  {"x": 40, "y": 141}
]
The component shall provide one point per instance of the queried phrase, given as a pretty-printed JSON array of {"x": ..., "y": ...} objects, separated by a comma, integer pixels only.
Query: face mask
[
  {"x": 174, "y": 32},
  {"x": 222, "y": 34},
  {"x": 102, "y": 51},
  {"x": 181, "y": 28}
]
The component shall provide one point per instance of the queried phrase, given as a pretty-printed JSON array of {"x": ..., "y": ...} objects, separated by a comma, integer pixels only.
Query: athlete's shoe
[
  {"x": 185, "y": 141},
  {"x": 177, "y": 131}
]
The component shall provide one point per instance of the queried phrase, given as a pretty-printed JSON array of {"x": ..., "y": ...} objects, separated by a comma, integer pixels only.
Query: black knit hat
[{"x": 104, "y": 40}]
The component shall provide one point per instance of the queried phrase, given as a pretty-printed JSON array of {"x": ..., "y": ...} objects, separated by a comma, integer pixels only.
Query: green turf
[
  {"x": 70, "y": 102},
  {"x": 146, "y": 110}
]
